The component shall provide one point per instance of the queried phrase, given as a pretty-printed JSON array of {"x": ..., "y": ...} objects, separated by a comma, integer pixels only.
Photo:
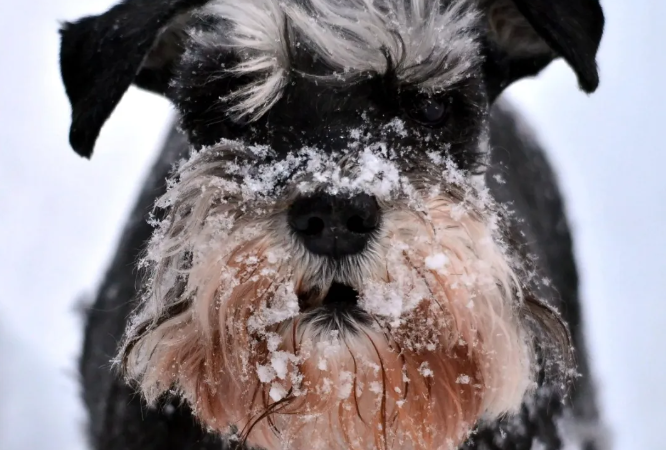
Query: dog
[{"x": 357, "y": 244}]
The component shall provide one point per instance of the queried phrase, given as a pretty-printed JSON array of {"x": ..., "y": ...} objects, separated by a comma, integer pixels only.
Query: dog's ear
[
  {"x": 136, "y": 41},
  {"x": 524, "y": 36}
]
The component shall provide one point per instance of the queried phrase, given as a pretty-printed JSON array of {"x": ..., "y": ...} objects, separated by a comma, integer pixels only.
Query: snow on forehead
[{"x": 429, "y": 45}]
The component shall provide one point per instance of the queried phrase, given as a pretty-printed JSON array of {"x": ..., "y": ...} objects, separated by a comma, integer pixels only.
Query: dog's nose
[{"x": 335, "y": 226}]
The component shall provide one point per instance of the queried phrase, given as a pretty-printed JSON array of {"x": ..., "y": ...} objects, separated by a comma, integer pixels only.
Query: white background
[{"x": 60, "y": 216}]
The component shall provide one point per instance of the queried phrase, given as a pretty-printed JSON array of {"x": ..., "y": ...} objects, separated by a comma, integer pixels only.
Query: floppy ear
[
  {"x": 524, "y": 36},
  {"x": 100, "y": 56}
]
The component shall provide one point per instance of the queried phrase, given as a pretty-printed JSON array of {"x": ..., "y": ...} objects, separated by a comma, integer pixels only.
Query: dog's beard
[{"x": 433, "y": 344}]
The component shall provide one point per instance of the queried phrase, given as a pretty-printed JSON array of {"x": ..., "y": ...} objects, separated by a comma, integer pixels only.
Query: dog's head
[{"x": 329, "y": 271}]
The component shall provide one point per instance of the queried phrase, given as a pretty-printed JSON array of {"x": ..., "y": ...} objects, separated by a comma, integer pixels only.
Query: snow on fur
[
  {"x": 439, "y": 340},
  {"x": 220, "y": 319}
]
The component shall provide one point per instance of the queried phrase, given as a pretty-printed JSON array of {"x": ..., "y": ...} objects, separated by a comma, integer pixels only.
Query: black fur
[
  {"x": 573, "y": 28},
  {"x": 101, "y": 56}
]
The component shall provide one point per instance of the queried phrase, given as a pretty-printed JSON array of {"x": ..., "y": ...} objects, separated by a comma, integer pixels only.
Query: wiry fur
[
  {"x": 413, "y": 314},
  {"x": 425, "y": 45},
  {"x": 435, "y": 345}
]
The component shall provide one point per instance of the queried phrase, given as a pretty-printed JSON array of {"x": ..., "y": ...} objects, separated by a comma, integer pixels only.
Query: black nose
[{"x": 335, "y": 226}]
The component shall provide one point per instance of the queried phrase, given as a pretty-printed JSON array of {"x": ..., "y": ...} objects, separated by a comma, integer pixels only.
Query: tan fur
[{"x": 417, "y": 378}]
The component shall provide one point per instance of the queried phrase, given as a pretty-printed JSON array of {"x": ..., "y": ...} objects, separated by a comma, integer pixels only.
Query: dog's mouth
[
  {"x": 340, "y": 296},
  {"x": 338, "y": 310}
]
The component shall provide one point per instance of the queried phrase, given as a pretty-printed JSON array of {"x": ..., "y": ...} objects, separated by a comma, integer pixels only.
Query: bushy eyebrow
[{"x": 417, "y": 43}]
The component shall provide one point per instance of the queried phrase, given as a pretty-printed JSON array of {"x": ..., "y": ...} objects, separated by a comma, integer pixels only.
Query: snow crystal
[
  {"x": 280, "y": 363},
  {"x": 458, "y": 212},
  {"x": 273, "y": 341},
  {"x": 376, "y": 387},
  {"x": 499, "y": 178},
  {"x": 425, "y": 370},
  {"x": 385, "y": 302},
  {"x": 436, "y": 157},
  {"x": 277, "y": 392},
  {"x": 266, "y": 374},
  {"x": 463, "y": 379},
  {"x": 397, "y": 125},
  {"x": 395, "y": 299},
  {"x": 326, "y": 386},
  {"x": 346, "y": 384},
  {"x": 436, "y": 261},
  {"x": 285, "y": 306}
]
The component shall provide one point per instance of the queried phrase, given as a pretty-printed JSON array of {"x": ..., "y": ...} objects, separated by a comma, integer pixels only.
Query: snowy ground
[{"x": 61, "y": 216}]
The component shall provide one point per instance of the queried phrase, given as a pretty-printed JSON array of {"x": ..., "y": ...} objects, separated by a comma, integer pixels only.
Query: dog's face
[{"x": 330, "y": 271}]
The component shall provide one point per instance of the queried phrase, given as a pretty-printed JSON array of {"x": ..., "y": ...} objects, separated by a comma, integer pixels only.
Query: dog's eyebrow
[{"x": 427, "y": 45}]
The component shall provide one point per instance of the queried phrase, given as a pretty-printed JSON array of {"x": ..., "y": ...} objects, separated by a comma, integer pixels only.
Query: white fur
[{"x": 431, "y": 48}]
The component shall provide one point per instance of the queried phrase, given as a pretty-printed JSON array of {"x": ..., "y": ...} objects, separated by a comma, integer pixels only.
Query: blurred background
[{"x": 60, "y": 215}]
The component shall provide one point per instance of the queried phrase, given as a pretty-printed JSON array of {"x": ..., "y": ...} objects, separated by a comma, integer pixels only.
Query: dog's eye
[{"x": 429, "y": 111}]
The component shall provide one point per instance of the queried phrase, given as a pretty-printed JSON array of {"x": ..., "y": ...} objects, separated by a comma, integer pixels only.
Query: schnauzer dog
[{"x": 357, "y": 247}]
